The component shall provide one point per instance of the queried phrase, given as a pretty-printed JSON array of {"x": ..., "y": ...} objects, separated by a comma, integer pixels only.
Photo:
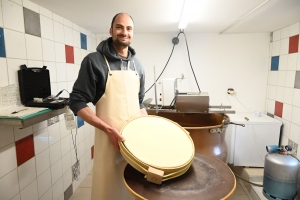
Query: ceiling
[{"x": 156, "y": 16}]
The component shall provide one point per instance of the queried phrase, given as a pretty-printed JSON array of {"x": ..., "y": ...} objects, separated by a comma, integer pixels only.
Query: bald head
[{"x": 113, "y": 20}]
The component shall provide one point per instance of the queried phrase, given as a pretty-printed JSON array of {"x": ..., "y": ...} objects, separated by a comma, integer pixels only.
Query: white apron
[{"x": 119, "y": 104}]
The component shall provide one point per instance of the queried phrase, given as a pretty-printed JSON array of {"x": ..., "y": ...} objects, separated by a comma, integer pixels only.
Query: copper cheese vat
[{"x": 206, "y": 129}]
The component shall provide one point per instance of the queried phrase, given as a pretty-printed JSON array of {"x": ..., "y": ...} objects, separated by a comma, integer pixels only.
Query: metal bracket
[{"x": 216, "y": 130}]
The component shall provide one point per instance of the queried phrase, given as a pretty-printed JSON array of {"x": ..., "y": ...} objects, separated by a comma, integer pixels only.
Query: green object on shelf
[{"x": 28, "y": 116}]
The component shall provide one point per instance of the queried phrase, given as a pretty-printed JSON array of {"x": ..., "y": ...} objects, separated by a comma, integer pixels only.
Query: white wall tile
[
  {"x": 296, "y": 115},
  {"x": 39, "y": 126},
  {"x": 34, "y": 63},
  {"x": 279, "y": 94},
  {"x": 68, "y": 23},
  {"x": 76, "y": 39},
  {"x": 68, "y": 36},
  {"x": 281, "y": 78},
  {"x": 47, "y": 29},
  {"x": 287, "y": 112},
  {"x": 8, "y": 159},
  {"x": 27, "y": 173},
  {"x": 66, "y": 145},
  {"x": 52, "y": 70},
  {"x": 66, "y": 162},
  {"x": 15, "y": 44},
  {"x": 44, "y": 182},
  {"x": 60, "y": 55},
  {"x": 285, "y": 32},
  {"x": 276, "y": 35},
  {"x": 61, "y": 86},
  {"x": 54, "y": 88},
  {"x": 298, "y": 60},
  {"x": 296, "y": 97},
  {"x": 58, "y": 32},
  {"x": 13, "y": 16},
  {"x": 33, "y": 47},
  {"x": 1, "y": 19},
  {"x": 290, "y": 79},
  {"x": 292, "y": 61},
  {"x": 284, "y": 46},
  {"x": 22, "y": 133},
  {"x": 48, "y": 50},
  {"x": 88, "y": 33},
  {"x": 288, "y": 95},
  {"x": 94, "y": 36},
  {"x": 42, "y": 162},
  {"x": 61, "y": 74},
  {"x": 294, "y": 133},
  {"x": 70, "y": 72},
  {"x": 55, "y": 153},
  {"x": 47, "y": 195},
  {"x": 31, "y": 6},
  {"x": 84, "y": 53},
  {"x": 13, "y": 65},
  {"x": 18, "y": 2},
  {"x": 54, "y": 133},
  {"x": 56, "y": 172},
  {"x": 58, "y": 189},
  {"x": 9, "y": 185},
  {"x": 76, "y": 27},
  {"x": 77, "y": 56},
  {"x": 67, "y": 179},
  {"x": 272, "y": 77},
  {"x": 294, "y": 29},
  {"x": 45, "y": 12},
  {"x": 63, "y": 131},
  {"x": 284, "y": 140},
  {"x": 283, "y": 62},
  {"x": 89, "y": 43},
  {"x": 81, "y": 149},
  {"x": 41, "y": 140},
  {"x": 30, "y": 192},
  {"x": 58, "y": 18},
  {"x": 4, "y": 72},
  {"x": 275, "y": 48},
  {"x": 286, "y": 127},
  {"x": 82, "y": 30},
  {"x": 6, "y": 136}
]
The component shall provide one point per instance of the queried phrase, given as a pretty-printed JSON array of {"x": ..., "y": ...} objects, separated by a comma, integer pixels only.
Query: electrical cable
[
  {"x": 187, "y": 47},
  {"x": 165, "y": 65},
  {"x": 256, "y": 184},
  {"x": 76, "y": 166}
]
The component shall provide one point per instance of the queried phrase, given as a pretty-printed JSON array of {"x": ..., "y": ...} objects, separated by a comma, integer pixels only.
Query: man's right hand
[{"x": 114, "y": 136}]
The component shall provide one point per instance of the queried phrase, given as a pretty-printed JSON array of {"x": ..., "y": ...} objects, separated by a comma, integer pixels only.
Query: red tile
[
  {"x": 293, "y": 45},
  {"x": 69, "y": 54},
  {"x": 278, "y": 109},
  {"x": 92, "y": 152},
  {"x": 24, "y": 149}
]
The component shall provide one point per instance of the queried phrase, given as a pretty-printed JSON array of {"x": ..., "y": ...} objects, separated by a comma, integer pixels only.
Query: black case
[{"x": 35, "y": 83}]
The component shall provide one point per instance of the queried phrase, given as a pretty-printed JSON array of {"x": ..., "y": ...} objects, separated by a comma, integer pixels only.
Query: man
[{"x": 112, "y": 79}]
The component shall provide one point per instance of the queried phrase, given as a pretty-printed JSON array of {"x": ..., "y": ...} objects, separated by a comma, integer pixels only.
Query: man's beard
[{"x": 120, "y": 43}]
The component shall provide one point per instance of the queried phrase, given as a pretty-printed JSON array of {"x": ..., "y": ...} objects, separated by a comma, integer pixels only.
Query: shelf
[{"x": 32, "y": 120}]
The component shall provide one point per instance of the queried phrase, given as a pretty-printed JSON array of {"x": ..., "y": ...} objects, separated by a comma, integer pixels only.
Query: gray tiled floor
[{"x": 83, "y": 192}]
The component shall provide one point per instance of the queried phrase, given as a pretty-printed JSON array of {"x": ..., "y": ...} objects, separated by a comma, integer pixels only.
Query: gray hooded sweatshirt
[{"x": 91, "y": 82}]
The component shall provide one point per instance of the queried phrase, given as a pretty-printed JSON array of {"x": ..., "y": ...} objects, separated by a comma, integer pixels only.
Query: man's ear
[{"x": 110, "y": 31}]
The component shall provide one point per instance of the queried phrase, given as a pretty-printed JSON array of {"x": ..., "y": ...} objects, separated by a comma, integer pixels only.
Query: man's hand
[{"x": 114, "y": 136}]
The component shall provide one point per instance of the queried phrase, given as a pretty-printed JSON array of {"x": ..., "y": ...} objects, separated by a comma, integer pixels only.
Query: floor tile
[{"x": 82, "y": 193}]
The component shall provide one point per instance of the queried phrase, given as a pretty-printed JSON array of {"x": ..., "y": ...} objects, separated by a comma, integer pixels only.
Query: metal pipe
[
  {"x": 156, "y": 106},
  {"x": 244, "y": 17}
]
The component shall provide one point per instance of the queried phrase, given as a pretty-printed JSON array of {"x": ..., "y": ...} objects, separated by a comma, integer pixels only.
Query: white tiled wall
[
  {"x": 48, "y": 174},
  {"x": 281, "y": 85}
]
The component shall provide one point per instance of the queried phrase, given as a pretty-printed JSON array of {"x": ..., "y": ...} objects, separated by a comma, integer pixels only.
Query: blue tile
[
  {"x": 83, "y": 41},
  {"x": 80, "y": 122},
  {"x": 2, "y": 44},
  {"x": 275, "y": 63}
]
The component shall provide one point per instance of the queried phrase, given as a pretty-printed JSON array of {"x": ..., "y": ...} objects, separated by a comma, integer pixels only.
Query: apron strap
[
  {"x": 107, "y": 65},
  {"x": 128, "y": 65}
]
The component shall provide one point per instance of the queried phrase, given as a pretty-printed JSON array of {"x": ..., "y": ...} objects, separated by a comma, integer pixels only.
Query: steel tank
[{"x": 280, "y": 175}]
